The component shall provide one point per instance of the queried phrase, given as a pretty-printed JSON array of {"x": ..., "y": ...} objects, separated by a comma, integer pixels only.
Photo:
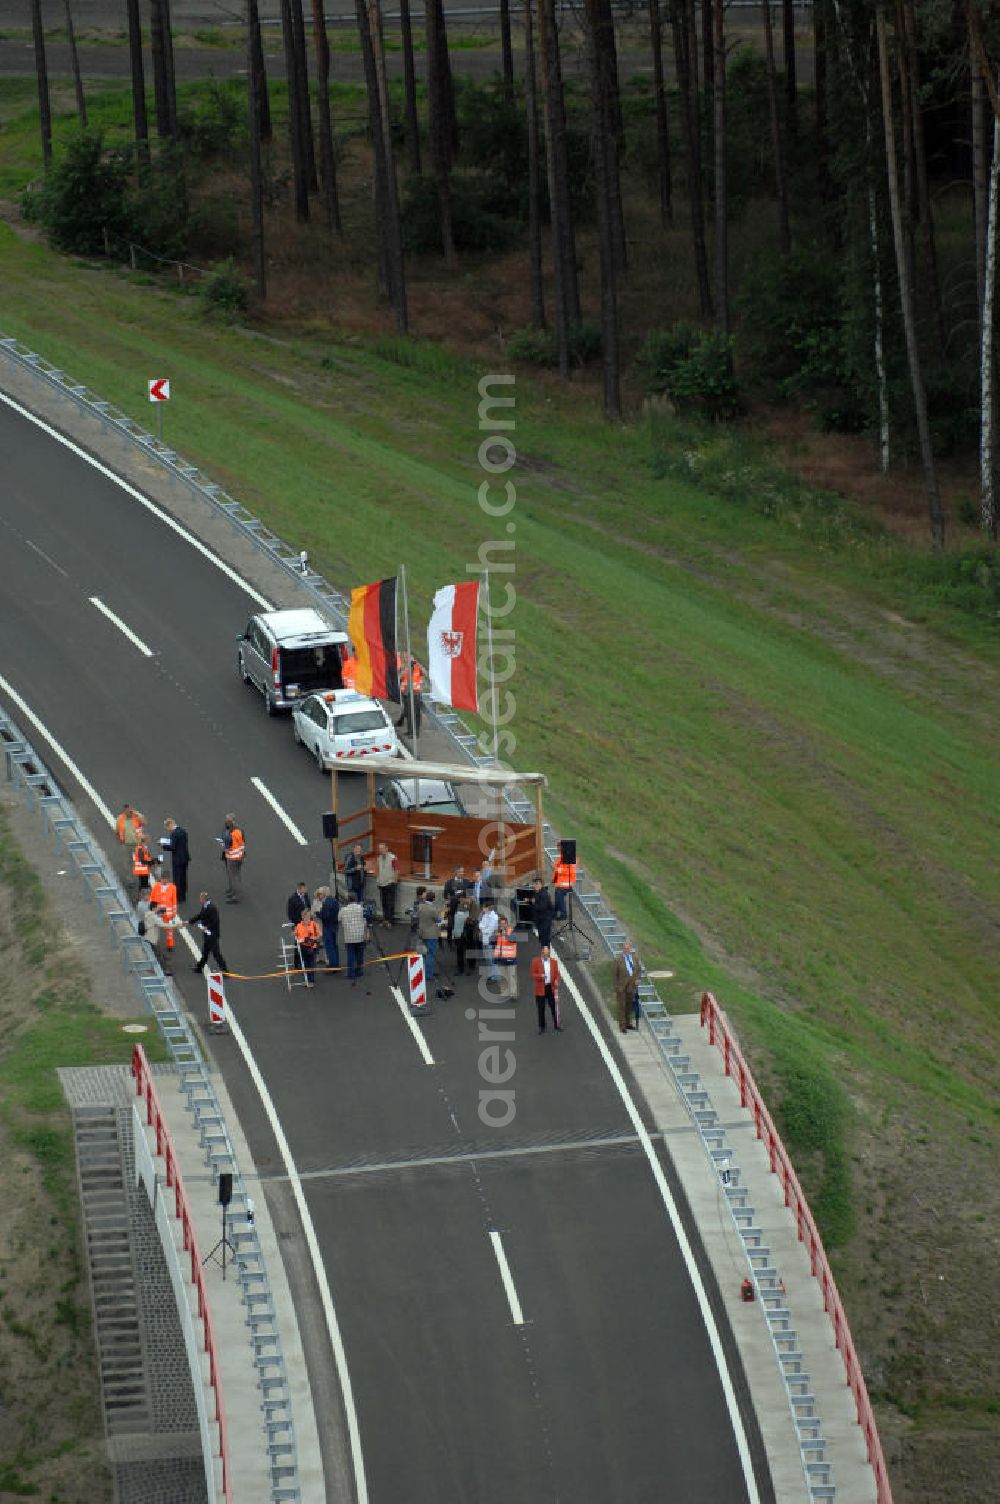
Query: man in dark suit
[
  {"x": 297, "y": 904},
  {"x": 207, "y": 920},
  {"x": 542, "y": 913},
  {"x": 176, "y": 842}
]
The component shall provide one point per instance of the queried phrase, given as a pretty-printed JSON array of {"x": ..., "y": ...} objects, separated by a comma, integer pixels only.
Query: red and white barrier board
[
  {"x": 216, "y": 1003},
  {"x": 418, "y": 984}
]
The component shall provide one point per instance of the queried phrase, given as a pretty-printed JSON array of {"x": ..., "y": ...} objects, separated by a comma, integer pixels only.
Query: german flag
[{"x": 372, "y": 629}]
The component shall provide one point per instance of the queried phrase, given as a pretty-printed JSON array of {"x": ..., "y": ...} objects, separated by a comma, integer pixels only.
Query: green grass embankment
[{"x": 788, "y": 789}]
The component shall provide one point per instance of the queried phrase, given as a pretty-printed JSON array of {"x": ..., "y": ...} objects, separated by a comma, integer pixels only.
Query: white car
[
  {"x": 341, "y": 728},
  {"x": 436, "y": 797}
]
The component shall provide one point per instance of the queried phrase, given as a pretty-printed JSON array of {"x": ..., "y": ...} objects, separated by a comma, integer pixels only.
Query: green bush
[
  {"x": 482, "y": 215},
  {"x": 585, "y": 342},
  {"x": 532, "y": 347},
  {"x": 83, "y": 198},
  {"x": 693, "y": 367},
  {"x": 226, "y": 292},
  {"x": 216, "y": 125}
]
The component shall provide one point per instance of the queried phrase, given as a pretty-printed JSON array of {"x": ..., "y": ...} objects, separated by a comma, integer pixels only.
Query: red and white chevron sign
[
  {"x": 216, "y": 1001},
  {"x": 418, "y": 986},
  {"x": 159, "y": 389}
]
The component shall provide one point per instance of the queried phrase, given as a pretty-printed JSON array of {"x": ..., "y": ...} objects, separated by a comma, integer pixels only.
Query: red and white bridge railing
[
  {"x": 720, "y": 1034},
  {"x": 145, "y": 1087}
]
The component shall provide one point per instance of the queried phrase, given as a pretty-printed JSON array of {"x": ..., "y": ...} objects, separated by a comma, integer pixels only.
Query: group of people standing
[
  {"x": 465, "y": 918},
  {"x": 159, "y": 893}
]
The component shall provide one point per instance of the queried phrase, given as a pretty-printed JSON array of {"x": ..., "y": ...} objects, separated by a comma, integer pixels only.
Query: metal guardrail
[
  {"x": 27, "y": 771},
  {"x": 721, "y": 1035},
  {"x": 605, "y": 925},
  {"x": 146, "y": 1169}
]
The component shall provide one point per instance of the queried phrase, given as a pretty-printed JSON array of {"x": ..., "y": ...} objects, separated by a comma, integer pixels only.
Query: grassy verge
[
  {"x": 52, "y": 1433},
  {"x": 771, "y": 728}
]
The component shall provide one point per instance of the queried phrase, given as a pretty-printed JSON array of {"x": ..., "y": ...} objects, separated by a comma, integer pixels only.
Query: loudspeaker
[
  {"x": 567, "y": 852},
  {"x": 330, "y": 826},
  {"x": 225, "y": 1187}
]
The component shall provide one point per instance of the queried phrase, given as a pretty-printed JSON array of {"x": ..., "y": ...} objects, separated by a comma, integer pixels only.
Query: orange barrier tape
[{"x": 294, "y": 971}]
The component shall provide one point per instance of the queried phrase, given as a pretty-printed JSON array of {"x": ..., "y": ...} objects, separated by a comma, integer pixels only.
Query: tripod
[
  {"x": 222, "y": 1245},
  {"x": 570, "y": 925}
]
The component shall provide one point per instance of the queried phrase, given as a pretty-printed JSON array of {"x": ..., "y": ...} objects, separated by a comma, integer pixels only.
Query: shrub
[
  {"x": 532, "y": 347},
  {"x": 83, "y": 198},
  {"x": 226, "y": 292},
  {"x": 585, "y": 342},
  {"x": 693, "y": 367},
  {"x": 216, "y": 124},
  {"x": 483, "y": 217}
]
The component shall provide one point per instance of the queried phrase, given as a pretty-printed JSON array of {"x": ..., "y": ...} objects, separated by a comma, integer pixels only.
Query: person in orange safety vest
[
  {"x": 404, "y": 692},
  {"x": 142, "y": 862},
  {"x": 563, "y": 879},
  {"x": 349, "y": 671},
  {"x": 163, "y": 898},
  {"x": 130, "y": 825},
  {"x": 234, "y": 850},
  {"x": 307, "y": 939}
]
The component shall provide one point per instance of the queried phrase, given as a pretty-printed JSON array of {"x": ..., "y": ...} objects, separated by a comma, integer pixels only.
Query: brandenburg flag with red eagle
[{"x": 451, "y": 645}]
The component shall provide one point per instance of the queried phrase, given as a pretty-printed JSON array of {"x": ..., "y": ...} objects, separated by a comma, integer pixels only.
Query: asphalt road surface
[{"x": 607, "y": 1392}]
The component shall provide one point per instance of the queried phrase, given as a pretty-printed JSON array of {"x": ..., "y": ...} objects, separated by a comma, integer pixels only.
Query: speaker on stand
[{"x": 223, "y": 1245}]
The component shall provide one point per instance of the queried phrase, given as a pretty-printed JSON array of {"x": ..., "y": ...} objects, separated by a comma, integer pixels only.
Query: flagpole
[
  {"x": 489, "y": 648},
  {"x": 409, "y": 678}
]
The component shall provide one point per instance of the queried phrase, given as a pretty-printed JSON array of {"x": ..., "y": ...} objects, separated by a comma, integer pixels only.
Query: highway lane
[{"x": 609, "y": 1391}]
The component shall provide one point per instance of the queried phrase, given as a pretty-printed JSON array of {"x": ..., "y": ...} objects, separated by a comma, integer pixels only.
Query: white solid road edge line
[
  {"x": 415, "y": 1028},
  {"x": 312, "y": 1243},
  {"x": 137, "y": 495},
  {"x": 136, "y": 642},
  {"x": 59, "y": 750},
  {"x": 505, "y": 1275},
  {"x": 319, "y": 1270},
  {"x": 715, "y": 1341},
  {"x": 286, "y": 820}
]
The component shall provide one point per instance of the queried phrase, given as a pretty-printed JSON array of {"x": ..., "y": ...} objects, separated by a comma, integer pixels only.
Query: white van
[{"x": 288, "y": 654}]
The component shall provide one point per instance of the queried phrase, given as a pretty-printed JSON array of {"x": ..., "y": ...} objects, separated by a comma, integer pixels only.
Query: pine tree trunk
[
  {"x": 662, "y": 124},
  {"x": 254, "y": 84},
  {"x": 141, "y": 124},
  {"x": 557, "y": 166},
  {"x": 721, "y": 199},
  {"x": 822, "y": 128},
  {"x": 987, "y": 422},
  {"x": 908, "y": 198},
  {"x": 327, "y": 159},
  {"x": 410, "y": 118},
  {"x": 925, "y": 216},
  {"x": 159, "y": 69},
  {"x": 169, "y": 77},
  {"x": 685, "y": 52},
  {"x": 263, "y": 102},
  {"x": 302, "y": 95},
  {"x": 906, "y": 291},
  {"x": 780, "y": 186},
  {"x": 604, "y": 145},
  {"x": 394, "y": 229},
  {"x": 506, "y": 51},
  {"x": 791, "y": 86},
  {"x": 81, "y": 98},
  {"x": 42, "y": 79},
  {"x": 379, "y": 190},
  {"x": 979, "y": 168},
  {"x": 300, "y": 176},
  {"x": 438, "y": 84},
  {"x": 607, "y": 58},
  {"x": 534, "y": 175},
  {"x": 707, "y": 47}
]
